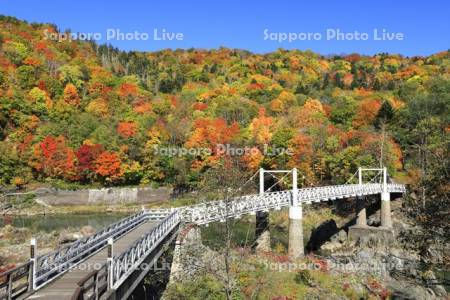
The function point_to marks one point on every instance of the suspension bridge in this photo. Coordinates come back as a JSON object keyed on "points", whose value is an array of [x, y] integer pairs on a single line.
{"points": [[111, 263]]}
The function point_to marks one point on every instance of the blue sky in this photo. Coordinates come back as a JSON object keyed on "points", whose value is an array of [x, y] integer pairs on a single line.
{"points": [[241, 24]]}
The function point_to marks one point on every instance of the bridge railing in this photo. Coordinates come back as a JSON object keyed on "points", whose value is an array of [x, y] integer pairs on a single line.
{"points": [[16, 282], [126, 262], [94, 285], [325, 193], [220, 210], [156, 214], [53, 264]]}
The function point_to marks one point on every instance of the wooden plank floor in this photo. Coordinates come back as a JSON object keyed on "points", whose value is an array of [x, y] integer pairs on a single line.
{"points": [[64, 286]]}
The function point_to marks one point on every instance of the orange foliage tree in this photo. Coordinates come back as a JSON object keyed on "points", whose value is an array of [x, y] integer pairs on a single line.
{"points": [[302, 151], [367, 111], [71, 95], [127, 89], [211, 132], [282, 102], [109, 166], [311, 114], [262, 127], [127, 129], [253, 159]]}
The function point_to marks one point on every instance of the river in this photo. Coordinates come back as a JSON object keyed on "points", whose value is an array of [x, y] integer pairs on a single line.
{"points": [[57, 222]]}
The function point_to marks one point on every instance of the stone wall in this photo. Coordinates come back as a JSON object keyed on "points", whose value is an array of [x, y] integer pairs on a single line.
{"points": [[103, 196]]}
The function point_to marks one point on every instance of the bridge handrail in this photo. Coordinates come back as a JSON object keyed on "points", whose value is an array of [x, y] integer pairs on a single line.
{"points": [[219, 210], [198, 213], [52, 264], [125, 262], [8, 287], [93, 285], [158, 213]]}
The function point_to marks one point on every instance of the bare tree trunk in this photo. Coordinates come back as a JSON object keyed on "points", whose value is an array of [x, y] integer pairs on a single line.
{"points": [[230, 177], [228, 290]]}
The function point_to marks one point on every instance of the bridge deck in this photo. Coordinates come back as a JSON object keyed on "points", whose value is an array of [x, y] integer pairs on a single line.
{"points": [[64, 286]]}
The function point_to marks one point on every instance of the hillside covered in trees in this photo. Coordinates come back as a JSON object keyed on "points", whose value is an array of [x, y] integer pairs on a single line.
{"points": [[77, 112]]}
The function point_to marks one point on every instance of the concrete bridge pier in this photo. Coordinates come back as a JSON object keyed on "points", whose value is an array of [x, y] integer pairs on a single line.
{"points": [[262, 232], [296, 247], [386, 220], [385, 210], [361, 218]]}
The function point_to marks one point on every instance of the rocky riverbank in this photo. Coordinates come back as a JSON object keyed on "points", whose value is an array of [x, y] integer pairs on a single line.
{"points": [[375, 265], [15, 242], [407, 271]]}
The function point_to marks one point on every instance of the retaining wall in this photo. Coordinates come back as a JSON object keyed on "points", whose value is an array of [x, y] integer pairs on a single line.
{"points": [[103, 196]]}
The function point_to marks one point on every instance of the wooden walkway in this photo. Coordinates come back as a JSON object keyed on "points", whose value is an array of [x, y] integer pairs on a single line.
{"points": [[64, 286]]}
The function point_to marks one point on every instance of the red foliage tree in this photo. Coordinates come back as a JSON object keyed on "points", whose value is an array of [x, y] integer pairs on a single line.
{"points": [[54, 159], [86, 155]]}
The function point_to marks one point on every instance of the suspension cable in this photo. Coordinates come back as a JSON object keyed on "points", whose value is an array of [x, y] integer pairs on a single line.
{"points": [[271, 174], [277, 181], [250, 179], [375, 177], [351, 177]]}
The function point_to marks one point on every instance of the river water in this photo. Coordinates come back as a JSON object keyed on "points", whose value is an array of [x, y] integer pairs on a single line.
{"points": [[56, 222]]}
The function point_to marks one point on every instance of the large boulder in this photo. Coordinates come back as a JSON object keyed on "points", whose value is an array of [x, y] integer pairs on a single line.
{"points": [[69, 237], [87, 230]]}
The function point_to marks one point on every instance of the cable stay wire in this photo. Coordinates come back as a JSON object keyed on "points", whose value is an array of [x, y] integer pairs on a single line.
{"points": [[375, 177], [250, 179], [269, 189], [351, 177]]}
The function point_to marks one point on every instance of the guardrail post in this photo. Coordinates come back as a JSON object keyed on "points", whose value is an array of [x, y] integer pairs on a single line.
{"points": [[296, 248], [110, 263], [9, 288], [96, 286], [33, 267]]}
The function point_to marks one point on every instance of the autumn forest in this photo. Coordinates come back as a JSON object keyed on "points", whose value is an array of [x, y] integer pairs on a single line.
{"points": [[79, 113]]}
